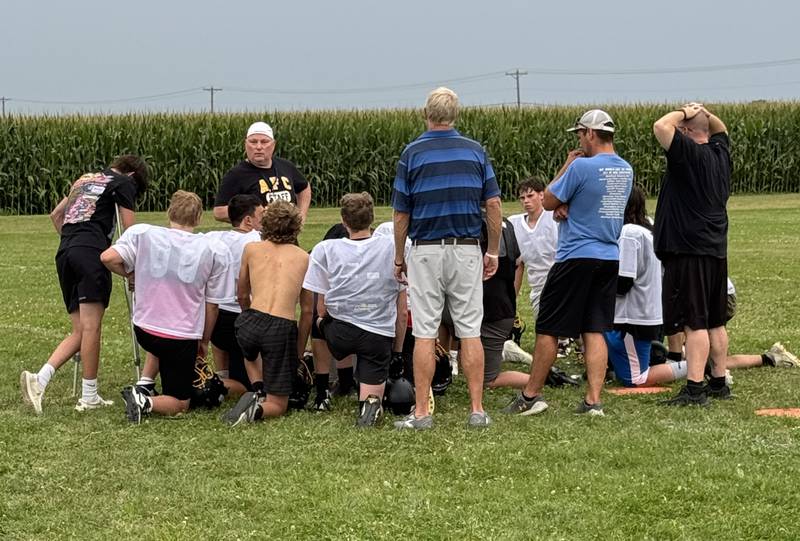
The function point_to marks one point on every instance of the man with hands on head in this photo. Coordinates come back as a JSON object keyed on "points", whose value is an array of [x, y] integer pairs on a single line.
{"points": [[588, 197], [690, 239]]}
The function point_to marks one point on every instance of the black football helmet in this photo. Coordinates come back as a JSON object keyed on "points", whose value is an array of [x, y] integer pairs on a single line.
{"points": [[302, 383], [658, 353], [208, 391], [442, 375], [399, 396]]}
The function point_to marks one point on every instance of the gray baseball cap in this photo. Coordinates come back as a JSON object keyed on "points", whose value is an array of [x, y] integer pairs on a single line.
{"points": [[595, 119]]}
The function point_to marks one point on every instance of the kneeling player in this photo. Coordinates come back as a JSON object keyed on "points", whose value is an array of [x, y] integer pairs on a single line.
{"points": [[244, 212], [359, 300], [270, 284], [181, 277]]}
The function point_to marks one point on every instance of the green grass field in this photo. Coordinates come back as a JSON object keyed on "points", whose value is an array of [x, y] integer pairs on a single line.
{"points": [[642, 472]]}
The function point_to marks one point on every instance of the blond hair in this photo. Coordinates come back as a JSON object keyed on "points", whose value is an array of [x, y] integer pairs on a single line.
{"points": [[441, 106], [185, 208]]}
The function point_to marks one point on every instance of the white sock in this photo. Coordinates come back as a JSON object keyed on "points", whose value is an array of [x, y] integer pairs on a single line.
{"points": [[89, 387], [144, 380], [679, 369], [45, 373]]}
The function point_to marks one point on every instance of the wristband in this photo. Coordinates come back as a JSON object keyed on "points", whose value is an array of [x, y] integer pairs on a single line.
{"points": [[491, 256], [398, 264]]}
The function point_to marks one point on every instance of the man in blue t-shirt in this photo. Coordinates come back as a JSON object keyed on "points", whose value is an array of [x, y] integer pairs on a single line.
{"points": [[442, 180], [588, 197]]}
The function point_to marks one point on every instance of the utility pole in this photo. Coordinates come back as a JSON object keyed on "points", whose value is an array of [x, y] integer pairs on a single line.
{"points": [[3, 100], [211, 90], [516, 75]]}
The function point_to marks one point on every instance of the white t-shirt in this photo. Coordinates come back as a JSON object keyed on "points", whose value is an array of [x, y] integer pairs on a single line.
{"points": [[637, 260], [176, 274], [537, 245], [357, 279], [235, 241]]}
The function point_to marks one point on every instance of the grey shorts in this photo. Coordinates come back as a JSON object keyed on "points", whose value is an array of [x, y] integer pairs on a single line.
{"points": [[493, 336], [452, 273]]}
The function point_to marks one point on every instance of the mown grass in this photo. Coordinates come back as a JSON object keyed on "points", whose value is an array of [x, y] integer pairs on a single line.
{"points": [[642, 472]]}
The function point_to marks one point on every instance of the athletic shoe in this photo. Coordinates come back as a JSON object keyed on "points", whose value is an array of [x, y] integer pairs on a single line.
{"points": [[136, 404], [723, 393], [148, 389], [512, 353], [93, 404], [782, 358], [594, 410], [479, 419], [244, 410], [683, 398], [32, 393], [523, 406], [323, 403], [410, 421], [371, 412]]}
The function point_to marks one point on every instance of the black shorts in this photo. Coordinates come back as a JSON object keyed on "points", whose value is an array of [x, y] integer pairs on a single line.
{"points": [[176, 360], [224, 338], [578, 297], [374, 351], [275, 339], [83, 278], [493, 336], [694, 292]]}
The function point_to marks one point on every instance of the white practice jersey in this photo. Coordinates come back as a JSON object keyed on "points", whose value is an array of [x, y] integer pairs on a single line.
{"points": [[637, 260], [176, 274], [357, 279], [235, 241], [537, 246]]}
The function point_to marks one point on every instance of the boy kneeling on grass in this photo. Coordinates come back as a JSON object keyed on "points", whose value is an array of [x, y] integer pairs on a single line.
{"points": [[270, 285], [181, 278]]}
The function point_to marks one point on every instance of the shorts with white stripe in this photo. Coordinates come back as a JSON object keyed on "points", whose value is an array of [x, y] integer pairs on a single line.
{"points": [[630, 358]]}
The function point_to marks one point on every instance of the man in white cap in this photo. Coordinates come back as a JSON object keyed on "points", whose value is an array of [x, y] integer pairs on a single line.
{"points": [[588, 197], [264, 175]]}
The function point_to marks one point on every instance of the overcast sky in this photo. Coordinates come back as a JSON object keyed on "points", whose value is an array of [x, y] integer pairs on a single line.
{"points": [[370, 54]]}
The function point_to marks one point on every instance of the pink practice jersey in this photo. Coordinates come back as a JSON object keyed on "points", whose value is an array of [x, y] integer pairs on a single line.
{"points": [[177, 273]]}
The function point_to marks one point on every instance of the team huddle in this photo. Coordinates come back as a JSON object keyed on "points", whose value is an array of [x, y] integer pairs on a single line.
{"points": [[382, 306]]}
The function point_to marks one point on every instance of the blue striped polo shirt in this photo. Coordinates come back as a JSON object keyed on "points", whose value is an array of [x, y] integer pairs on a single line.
{"points": [[442, 178]]}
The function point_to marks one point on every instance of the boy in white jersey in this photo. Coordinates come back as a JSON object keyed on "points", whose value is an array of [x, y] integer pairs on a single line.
{"points": [[269, 288], [244, 213], [359, 300], [181, 277], [537, 237]]}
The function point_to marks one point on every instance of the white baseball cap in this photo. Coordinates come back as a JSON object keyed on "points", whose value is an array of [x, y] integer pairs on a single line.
{"points": [[261, 128], [595, 119]]}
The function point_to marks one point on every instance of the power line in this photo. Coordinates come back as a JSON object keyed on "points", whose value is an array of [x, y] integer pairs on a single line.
{"points": [[660, 71], [175, 93]]}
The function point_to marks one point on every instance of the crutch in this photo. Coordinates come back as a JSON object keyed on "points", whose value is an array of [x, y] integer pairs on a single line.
{"points": [[129, 300], [75, 371]]}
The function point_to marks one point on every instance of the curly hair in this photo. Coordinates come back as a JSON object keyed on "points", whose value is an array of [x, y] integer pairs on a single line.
{"points": [[281, 223]]}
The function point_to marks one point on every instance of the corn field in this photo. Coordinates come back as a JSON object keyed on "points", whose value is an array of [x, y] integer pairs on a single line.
{"points": [[347, 151]]}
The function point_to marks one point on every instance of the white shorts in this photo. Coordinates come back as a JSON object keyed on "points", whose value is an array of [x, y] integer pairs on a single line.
{"points": [[440, 272], [536, 292]]}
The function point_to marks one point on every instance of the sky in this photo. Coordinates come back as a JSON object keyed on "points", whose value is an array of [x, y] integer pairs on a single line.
{"points": [[93, 56]]}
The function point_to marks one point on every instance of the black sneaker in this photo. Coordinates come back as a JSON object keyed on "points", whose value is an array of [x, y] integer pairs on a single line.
{"points": [[683, 398], [148, 389], [323, 402], [137, 404], [723, 393], [371, 412]]}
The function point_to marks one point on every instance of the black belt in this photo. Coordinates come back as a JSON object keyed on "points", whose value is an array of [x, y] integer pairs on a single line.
{"points": [[447, 241]]}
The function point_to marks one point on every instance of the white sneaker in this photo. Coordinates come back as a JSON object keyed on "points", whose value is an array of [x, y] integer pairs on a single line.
{"points": [[515, 354], [782, 358], [95, 403], [32, 393]]}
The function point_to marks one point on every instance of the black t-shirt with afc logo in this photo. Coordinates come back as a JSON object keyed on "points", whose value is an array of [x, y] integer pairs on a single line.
{"points": [[282, 181]]}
